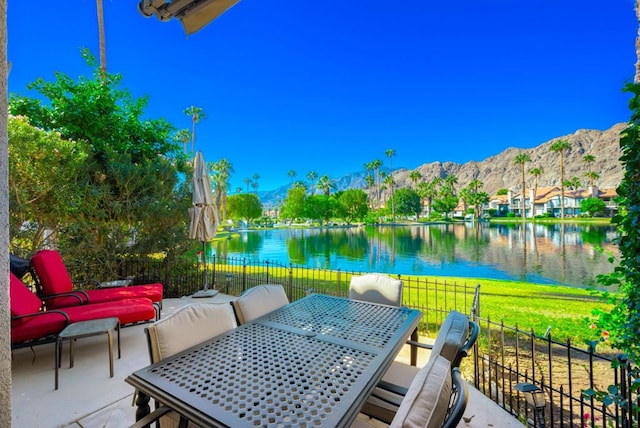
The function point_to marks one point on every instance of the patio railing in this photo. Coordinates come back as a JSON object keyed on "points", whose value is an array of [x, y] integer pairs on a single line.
{"points": [[503, 357]]}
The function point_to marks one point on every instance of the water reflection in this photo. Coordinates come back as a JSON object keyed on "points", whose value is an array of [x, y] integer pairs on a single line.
{"points": [[558, 253]]}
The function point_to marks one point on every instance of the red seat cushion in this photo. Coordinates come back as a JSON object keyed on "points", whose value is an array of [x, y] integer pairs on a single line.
{"points": [[40, 325], [127, 311]]}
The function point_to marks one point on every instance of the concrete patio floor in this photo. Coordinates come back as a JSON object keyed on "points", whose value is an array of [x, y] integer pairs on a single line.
{"points": [[88, 398]]}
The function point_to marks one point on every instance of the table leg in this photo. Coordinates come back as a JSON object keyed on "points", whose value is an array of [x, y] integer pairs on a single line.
{"points": [[57, 357], [118, 330], [71, 352], [414, 349], [110, 336], [143, 405]]}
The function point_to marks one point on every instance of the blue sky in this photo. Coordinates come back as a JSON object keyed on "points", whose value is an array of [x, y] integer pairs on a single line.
{"points": [[329, 87]]}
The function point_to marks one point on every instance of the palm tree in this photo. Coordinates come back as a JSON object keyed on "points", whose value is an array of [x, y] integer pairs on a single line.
{"points": [[536, 172], [312, 175], [390, 153], [592, 176], [223, 170], [292, 174], [376, 164], [183, 136], [521, 160], [428, 191], [326, 184], [102, 43], [451, 180], [589, 159], [415, 176], [561, 146], [247, 181], [254, 184], [197, 115], [369, 179]]}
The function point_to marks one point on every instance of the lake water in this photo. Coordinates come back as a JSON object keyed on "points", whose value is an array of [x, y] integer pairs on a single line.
{"points": [[553, 254]]}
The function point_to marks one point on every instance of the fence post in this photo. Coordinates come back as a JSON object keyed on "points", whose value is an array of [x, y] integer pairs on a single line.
{"points": [[244, 274]]}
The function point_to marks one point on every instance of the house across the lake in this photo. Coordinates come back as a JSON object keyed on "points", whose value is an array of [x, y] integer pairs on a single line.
{"points": [[546, 200]]}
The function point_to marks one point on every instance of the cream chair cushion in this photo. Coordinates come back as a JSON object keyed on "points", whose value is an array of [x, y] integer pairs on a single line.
{"points": [[187, 327], [427, 400], [452, 336], [258, 301], [376, 288]]}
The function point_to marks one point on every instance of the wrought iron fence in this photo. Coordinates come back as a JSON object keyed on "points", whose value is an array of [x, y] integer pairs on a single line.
{"points": [[503, 357]]}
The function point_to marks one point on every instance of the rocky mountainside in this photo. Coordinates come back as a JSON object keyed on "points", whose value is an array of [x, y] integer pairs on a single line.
{"points": [[499, 171]]}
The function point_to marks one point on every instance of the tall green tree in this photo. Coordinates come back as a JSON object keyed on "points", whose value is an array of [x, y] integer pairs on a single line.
{"points": [[589, 159], [244, 206], [408, 202], [222, 170], [352, 205], [312, 175], [561, 147], [326, 184], [46, 183], [521, 159], [292, 175], [415, 176], [196, 114], [446, 200], [390, 153], [293, 206], [131, 168], [376, 164], [536, 172]]}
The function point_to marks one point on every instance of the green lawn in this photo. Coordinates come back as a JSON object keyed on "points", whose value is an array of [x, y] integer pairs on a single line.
{"points": [[566, 310]]}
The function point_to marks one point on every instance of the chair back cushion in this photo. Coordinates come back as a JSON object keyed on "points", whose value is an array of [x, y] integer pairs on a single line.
{"points": [[258, 301], [22, 300], [427, 400], [452, 336], [51, 272], [187, 327], [376, 288]]}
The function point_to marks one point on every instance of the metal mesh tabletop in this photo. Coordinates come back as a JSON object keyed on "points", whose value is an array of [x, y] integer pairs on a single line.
{"points": [[358, 322], [291, 368]]}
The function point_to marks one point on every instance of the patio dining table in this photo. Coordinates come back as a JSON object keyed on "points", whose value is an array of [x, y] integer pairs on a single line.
{"points": [[313, 362]]}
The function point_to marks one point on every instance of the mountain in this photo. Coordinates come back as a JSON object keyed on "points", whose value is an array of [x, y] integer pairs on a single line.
{"points": [[499, 171]]}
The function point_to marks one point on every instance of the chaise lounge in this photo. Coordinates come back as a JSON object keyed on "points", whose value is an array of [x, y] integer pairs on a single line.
{"points": [[30, 325], [55, 287]]}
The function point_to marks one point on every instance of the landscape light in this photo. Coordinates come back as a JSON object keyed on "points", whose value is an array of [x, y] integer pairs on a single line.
{"points": [[535, 398], [193, 14]]}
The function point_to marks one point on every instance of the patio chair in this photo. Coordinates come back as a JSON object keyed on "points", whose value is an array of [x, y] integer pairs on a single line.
{"points": [[376, 288], [55, 287], [258, 301], [437, 397], [456, 337], [181, 330], [30, 325]]}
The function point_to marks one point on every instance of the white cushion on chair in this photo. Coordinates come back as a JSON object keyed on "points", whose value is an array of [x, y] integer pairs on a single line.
{"points": [[453, 334], [258, 301], [427, 400], [189, 326], [376, 288]]}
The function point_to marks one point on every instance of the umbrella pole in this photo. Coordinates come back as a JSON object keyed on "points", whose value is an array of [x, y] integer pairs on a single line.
{"points": [[205, 292], [204, 258]]}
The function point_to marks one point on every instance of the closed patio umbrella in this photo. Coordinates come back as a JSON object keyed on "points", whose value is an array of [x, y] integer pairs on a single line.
{"points": [[204, 216]]}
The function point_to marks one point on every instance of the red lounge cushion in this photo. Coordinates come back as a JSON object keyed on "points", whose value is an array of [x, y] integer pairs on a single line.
{"points": [[152, 292], [51, 272], [127, 311], [42, 325], [22, 300]]}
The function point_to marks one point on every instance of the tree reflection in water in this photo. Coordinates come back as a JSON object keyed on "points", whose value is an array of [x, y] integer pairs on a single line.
{"points": [[556, 253]]}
